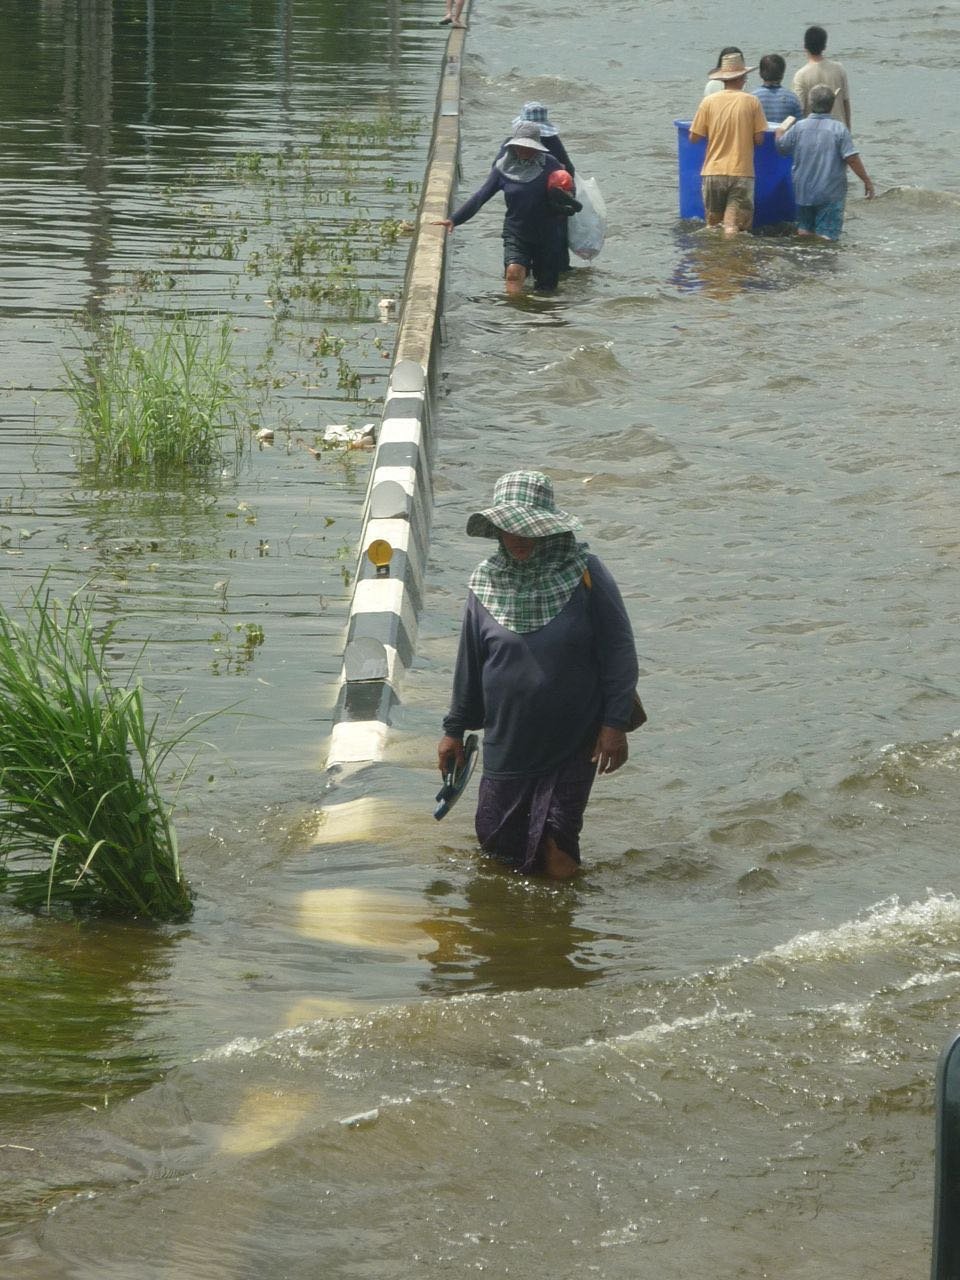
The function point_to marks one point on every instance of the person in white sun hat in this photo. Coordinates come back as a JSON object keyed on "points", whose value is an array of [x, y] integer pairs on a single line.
{"points": [[537, 113], [532, 241]]}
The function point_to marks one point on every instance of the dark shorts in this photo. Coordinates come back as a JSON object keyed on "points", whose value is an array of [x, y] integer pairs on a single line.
{"points": [[543, 258]]}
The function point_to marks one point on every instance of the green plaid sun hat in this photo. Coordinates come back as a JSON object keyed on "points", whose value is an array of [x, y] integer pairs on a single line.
{"points": [[525, 595], [523, 503]]}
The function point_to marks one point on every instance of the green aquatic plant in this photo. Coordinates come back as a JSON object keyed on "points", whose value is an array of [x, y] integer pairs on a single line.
{"points": [[382, 129], [83, 824], [337, 291], [391, 229], [213, 242], [169, 401], [248, 164], [151, 280], [348, 378], [235, 653], [327, 344]]}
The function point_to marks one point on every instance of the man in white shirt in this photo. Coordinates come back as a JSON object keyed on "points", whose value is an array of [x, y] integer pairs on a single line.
{"points": [[820, 70]]}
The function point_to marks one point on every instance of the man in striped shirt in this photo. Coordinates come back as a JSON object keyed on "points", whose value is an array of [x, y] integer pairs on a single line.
{"points": [[778, 103]]}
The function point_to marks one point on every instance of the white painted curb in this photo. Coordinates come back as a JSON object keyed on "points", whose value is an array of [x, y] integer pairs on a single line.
{"points": [[384, 612]]}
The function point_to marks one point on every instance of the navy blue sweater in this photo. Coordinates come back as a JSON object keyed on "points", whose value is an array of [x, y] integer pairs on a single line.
{"points": [[538, 695], [528, 215]]}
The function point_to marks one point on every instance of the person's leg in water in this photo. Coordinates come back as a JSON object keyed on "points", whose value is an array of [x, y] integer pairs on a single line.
{"points": [[714, 201], [806, 219], [738, 214], [554, 862], [515, 277], [517, 260], [731, 219], [829, 220], [546, 274], [558, 853], [736, 220], [547, 260], [534, 824]]}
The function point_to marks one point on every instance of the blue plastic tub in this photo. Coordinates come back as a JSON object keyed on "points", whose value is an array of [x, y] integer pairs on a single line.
{"points": [[773, 200]]}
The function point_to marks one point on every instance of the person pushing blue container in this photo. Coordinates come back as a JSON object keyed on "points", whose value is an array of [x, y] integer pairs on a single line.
{"points": [[773, 200], [730, 170]]}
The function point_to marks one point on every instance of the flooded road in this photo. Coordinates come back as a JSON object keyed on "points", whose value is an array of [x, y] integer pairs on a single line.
{"points": [[370, 1053], [155, 164]]}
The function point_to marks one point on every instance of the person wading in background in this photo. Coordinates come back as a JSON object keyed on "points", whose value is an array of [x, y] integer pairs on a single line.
{"points": [[733, 123], [713, 85], [778, 103], [822, 151], [536, 113], [820, 70], [531, 226], [452, 16]]}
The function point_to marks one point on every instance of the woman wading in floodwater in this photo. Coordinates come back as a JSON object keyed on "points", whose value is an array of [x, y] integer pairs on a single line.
{"points": [[548, 669], [533, 223]]}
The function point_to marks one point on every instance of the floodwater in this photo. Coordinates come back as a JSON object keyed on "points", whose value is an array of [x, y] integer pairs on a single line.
{"points": [[370, 1054]]}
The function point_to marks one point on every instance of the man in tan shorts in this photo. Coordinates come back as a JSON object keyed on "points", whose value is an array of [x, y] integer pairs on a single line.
{"points": [[733, 124]]}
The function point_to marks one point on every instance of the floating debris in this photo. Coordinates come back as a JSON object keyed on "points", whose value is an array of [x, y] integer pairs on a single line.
{"points": [[385, 306], [265, 435], [362, 1119], [314, 453], [364, 437]]}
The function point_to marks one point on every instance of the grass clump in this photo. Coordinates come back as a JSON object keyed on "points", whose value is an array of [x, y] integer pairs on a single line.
{"points": [[168, 402], [82, 820]]}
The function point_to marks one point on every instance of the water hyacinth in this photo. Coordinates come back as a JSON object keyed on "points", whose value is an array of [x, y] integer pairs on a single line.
{"points": [[168, 401], [82, 820]]}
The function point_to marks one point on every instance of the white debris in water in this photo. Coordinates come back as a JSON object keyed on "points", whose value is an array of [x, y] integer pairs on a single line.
{"points": [[361, 1119], [352, 437]]}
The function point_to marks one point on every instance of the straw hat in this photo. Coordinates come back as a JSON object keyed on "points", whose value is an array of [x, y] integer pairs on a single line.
{"points": [[731, 67]]}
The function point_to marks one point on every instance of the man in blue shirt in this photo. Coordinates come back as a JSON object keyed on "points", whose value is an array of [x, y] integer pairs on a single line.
{"points": [[777, 102], [822, 151]]}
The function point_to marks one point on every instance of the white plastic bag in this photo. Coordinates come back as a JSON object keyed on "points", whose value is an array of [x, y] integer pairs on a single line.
{"points": [[586, 229]]}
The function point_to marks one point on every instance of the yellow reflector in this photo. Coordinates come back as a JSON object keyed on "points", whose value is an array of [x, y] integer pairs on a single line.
{"points": [[380, 552]]}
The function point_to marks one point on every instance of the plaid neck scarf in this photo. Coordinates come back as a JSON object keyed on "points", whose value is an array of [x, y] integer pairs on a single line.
{"points": [[524, 595]]}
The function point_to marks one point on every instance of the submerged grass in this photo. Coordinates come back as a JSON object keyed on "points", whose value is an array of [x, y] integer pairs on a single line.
{"points": [[168, 402], [82, 820]]}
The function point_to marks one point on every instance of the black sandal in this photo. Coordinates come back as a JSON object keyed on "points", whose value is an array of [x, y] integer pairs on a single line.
{"points": [[445, 22]]}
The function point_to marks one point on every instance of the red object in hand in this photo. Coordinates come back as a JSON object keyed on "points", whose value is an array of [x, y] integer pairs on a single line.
{"points": [[559, 178]]}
